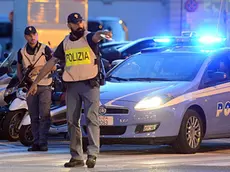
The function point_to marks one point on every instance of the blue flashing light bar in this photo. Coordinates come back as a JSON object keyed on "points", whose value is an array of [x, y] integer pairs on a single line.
{"points": [[211, 39], [201, 40]]}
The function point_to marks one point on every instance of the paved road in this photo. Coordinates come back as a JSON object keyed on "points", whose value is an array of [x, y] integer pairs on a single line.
{"points": [[213, 156]]}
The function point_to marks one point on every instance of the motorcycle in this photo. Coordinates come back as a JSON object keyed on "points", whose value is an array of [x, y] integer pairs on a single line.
{"points": [[16, 109], [7, 89], [13, 117], [17, 113], [7, 73], [8, 94]]}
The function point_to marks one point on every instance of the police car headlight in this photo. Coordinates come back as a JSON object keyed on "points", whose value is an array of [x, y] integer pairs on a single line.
{"points": [[9, 91], [150, 103]]}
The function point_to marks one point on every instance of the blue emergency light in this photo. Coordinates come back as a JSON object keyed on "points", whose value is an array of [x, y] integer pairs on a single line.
{"points": [[191, 41], [211, 39], [202, 43]]}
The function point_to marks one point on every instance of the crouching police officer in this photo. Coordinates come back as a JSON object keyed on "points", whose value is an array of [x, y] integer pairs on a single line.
{"points": [[31, 58], [79, 51]]}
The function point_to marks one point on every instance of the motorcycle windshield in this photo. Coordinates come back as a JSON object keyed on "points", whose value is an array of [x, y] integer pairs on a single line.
{"points": [[9, 60]]}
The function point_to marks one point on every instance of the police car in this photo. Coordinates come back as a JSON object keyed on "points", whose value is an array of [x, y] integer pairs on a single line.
{"points": [[178, 96]]}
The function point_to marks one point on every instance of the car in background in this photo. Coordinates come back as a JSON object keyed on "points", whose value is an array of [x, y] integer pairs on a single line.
{"points": [[115, 53], [111, 44], [136, 46]]}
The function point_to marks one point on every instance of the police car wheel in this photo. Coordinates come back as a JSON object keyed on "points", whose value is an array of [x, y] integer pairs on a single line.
{"points": [[11, 124], [25, 135], [191, 133]]}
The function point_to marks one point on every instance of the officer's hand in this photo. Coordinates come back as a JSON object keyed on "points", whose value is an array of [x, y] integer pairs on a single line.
{"points": [[32, 90], [108, 34]]}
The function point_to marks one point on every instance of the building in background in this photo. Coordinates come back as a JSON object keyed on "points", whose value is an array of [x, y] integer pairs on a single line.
{"points": [[143, 18], [165, 17]]}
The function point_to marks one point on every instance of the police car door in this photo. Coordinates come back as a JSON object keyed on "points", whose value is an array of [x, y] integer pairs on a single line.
{"points": [[215, 87]]}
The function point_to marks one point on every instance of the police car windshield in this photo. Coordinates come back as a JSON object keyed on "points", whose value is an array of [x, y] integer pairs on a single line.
{"points": [[158, 67]]}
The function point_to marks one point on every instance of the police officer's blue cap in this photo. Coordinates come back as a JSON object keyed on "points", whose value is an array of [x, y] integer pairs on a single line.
{"points": [[30, 30], [74, 18]]}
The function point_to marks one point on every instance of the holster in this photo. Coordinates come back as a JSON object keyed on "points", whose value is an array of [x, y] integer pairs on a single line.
{"points": [[101, 79], [101, 71], [94, 82]]}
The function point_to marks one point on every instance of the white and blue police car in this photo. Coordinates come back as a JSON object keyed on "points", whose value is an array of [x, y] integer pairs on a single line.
{"points": [[179, 97]]}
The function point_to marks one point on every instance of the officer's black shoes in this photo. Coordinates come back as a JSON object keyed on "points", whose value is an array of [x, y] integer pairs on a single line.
{"points": [[74, 163], [34, 148], [43, 148], [91, 161]]}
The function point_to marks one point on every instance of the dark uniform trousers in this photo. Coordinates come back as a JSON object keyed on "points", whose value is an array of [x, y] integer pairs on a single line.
{"points": [[39, 110], [76, 93]]}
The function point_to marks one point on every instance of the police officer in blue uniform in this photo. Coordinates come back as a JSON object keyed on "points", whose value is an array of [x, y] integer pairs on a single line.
{"points": [[35, 55], [82, 77]]}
